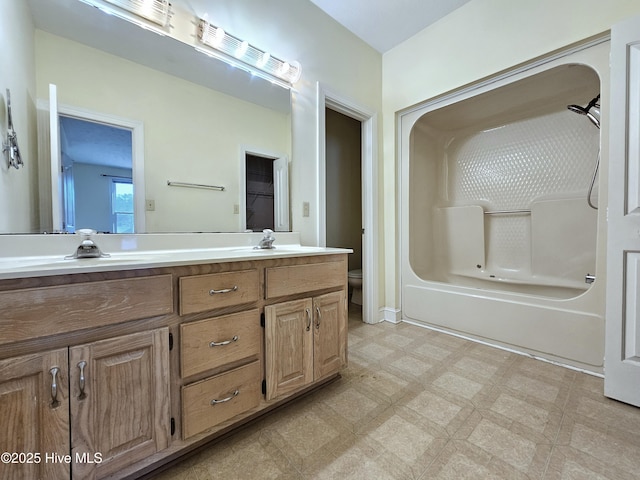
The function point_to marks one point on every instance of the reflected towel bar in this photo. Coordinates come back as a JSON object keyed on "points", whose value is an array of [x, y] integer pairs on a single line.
{"points": [[195, 185], [507, 212]]}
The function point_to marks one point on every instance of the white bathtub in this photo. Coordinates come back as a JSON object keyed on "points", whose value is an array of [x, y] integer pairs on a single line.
{"points": [[497, 237]]}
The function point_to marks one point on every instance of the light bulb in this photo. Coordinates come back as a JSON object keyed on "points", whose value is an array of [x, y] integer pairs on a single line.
{"points": [[242, 49], [284, 68], [263, 60], [218, 37]]}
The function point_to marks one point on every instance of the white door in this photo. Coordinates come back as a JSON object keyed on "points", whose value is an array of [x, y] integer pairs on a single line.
{"points": [[622, 345], [68, 197], [281, 194], [56, 164]]}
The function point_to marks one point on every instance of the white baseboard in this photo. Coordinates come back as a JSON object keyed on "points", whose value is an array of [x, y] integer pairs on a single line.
{"points": [[392, 315]]}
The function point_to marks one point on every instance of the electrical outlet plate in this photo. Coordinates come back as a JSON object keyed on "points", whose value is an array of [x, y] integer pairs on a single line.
{"points": [[305, 209]]}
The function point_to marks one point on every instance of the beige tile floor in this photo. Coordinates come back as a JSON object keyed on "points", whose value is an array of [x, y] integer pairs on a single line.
{"points": [[418, 404]]}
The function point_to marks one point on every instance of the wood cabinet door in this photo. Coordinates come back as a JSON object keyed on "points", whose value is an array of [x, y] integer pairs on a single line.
{"points": [[34, 408], [288, 346], [330, 334], [119, 402]]}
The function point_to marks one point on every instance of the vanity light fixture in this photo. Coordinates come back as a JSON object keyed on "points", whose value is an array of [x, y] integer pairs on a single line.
{"points": [[156, 11], [240, 53], [11, 147]]}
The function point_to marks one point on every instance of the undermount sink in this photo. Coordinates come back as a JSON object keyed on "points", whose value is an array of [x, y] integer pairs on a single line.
{"points": [[275, 249], [111, 259], [58, 264], [61, 262]]}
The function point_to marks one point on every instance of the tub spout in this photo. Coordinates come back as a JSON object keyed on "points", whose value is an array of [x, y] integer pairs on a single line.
{"points": [[588, 278]]}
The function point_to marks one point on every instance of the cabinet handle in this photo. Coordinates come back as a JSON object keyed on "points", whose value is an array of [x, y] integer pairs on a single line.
{"points": [[81, 366], [308, 310], [233, 395], [318, 317], [54, 387], [222, 344], [224, 290]]}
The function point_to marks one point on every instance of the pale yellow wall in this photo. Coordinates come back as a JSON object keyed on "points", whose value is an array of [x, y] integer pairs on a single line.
{"points": [[191, 133], [18, 188], [329, 54], [479, 39]]}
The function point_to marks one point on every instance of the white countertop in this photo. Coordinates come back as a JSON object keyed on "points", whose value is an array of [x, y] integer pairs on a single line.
{"points": [[130, 252]]}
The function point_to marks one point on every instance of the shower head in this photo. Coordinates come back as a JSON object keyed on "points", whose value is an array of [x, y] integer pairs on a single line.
{"points": [[593, 104]]}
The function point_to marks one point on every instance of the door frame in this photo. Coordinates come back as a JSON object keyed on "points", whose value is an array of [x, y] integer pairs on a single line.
{"points": [[137, 150], [368, 118]]}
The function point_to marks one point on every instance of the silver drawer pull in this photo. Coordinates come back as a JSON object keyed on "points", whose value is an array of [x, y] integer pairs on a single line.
{"points": [[233, 395], [224, 290], [308, 310], [54, 387], [222, 344], [81, 366]]}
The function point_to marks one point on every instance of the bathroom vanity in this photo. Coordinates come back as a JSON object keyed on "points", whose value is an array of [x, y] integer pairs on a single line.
{"points": [[111, 369]]}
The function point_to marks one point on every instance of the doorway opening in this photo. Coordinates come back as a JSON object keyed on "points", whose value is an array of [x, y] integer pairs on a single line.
{"points": [[97, 185], [343, 150], [259, 193], [367, 120], [264, 191]]}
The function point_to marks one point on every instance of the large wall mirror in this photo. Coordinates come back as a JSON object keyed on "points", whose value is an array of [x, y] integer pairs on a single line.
{"points": [[137, 109]]}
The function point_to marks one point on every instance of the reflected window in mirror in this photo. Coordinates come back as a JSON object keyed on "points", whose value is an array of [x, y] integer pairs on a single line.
{"points": [[122, 205]]}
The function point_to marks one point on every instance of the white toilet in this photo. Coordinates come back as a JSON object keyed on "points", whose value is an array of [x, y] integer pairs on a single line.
{"points": [[355, 284]]}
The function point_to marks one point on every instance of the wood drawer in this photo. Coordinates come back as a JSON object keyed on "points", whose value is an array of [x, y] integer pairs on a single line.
{"points": [[200, 293], [38, 312], [235, 337], [198, 411], [289, 280]]}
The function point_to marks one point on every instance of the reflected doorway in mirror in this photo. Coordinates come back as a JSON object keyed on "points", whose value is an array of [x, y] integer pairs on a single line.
{"points": [[72, 142], [264, 196], [97, 188]]}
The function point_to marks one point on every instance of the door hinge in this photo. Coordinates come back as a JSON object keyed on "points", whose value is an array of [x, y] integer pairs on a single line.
{"points": [[262, 320], [170, 341], [264, 387], [173, 426]]}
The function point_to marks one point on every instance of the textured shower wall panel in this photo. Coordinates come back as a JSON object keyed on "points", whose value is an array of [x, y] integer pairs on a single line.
{"points": [[564, 239], [508, 240], [462, 229], [511, 166]]}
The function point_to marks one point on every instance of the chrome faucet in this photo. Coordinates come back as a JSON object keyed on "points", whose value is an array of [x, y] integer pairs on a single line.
{"points": [[87, 248], [267, 240]]}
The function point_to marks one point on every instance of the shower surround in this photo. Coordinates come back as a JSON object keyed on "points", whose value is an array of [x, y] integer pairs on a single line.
{"points": [[498, 238]]}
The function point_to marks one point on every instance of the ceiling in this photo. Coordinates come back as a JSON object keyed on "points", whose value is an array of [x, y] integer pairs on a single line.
{"points": [[83, 141], [383, 24]]}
